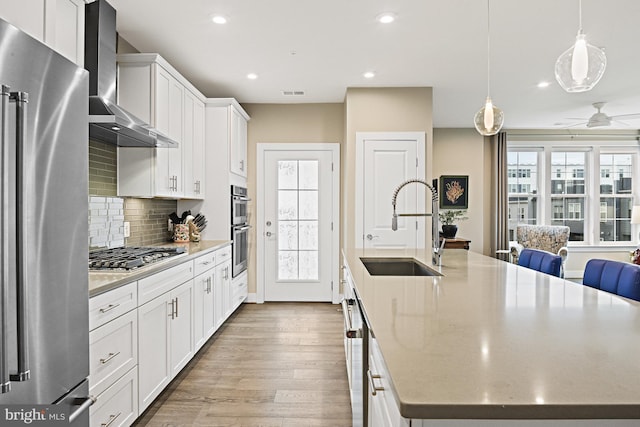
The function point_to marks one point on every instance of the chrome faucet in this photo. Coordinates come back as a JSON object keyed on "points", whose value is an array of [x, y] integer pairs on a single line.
{"points": [[436, 248]]}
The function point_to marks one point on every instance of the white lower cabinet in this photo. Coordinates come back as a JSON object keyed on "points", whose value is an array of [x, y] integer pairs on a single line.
{"points": [[203, 307], [118, 405], [383, 410], [223, 282], [144, 333], [239, 290], [165, 340], [113, 357]]}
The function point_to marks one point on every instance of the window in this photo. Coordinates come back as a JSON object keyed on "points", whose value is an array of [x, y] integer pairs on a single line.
{"points": [[588, 187], [615, 197], [568, 191], [522, 185], [298, 220]]}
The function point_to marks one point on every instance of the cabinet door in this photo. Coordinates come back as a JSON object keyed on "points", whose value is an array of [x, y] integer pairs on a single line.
{"points": [[238, 143], [193, 147], [169, 105], [154, 371], [187, 145], [198, 160], [203, 323], [218, 306], [58, 23], [68, 31], [223, 291], [181, 327]]}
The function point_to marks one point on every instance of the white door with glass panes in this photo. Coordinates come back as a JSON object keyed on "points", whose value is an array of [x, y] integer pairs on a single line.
{"points": [[298, 211]]}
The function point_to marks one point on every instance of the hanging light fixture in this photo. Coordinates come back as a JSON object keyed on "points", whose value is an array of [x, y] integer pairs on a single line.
{"points": [[581, 66], [489, 119]]}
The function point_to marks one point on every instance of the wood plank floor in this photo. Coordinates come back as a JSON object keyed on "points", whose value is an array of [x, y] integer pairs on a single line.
{"points": [[272, 364]]}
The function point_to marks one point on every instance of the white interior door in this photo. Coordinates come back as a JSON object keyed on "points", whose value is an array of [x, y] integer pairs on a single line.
{"points": [[297, 230], [385, 162]]}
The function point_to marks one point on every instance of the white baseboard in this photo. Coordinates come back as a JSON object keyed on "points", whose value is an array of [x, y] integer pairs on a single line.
{"points": [[251, 298]]}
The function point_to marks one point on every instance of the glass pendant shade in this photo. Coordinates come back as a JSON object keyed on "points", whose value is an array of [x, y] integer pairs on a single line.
{"points": [[581, 66], [489, 119]]}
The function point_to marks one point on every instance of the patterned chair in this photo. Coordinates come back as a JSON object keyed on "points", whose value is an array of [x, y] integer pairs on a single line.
{"points": [[550, 238]]}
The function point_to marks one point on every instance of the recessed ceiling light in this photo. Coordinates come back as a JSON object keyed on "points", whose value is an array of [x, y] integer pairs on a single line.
{"points": [[543, 84], [386, 18], [219, 19], [369, 75], [252, 76]]}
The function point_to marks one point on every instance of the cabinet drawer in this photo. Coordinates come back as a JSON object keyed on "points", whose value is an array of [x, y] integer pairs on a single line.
{"points": [[204, 263], [113, 350], [156, 285], [239, 288], [118, 405], [106, 307], [223, 254]]}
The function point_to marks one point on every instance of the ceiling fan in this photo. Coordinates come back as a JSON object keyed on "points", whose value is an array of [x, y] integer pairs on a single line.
{"points": [[600, 119]]}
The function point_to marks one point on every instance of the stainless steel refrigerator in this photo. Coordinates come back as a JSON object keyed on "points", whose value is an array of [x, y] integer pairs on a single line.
{"points": [[44, 326]]}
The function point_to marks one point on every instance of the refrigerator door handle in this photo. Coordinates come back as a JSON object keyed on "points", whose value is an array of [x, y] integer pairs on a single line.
{"points": [[83, 406], [23, 153], [5, 383]]}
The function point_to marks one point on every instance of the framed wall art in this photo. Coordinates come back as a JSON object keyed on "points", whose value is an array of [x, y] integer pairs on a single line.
{"points": [[454, 191]]}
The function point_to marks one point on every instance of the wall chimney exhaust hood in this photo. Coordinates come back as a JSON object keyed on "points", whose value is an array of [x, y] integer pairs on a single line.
{"points": [[109, 122]]}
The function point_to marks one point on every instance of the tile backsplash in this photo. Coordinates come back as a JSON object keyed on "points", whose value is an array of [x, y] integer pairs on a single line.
{"points": [[147, 217], [106, 222]]}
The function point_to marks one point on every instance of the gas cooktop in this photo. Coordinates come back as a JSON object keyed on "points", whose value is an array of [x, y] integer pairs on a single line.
{"points": [[130, 258]]}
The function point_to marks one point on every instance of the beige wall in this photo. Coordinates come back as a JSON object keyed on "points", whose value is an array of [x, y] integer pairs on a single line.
{"points": [[464, 152], [381, 110], [278, 123]]}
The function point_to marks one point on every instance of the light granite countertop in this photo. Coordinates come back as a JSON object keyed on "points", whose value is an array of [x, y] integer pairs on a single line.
{"points": [[100, 282], [492, 340]]}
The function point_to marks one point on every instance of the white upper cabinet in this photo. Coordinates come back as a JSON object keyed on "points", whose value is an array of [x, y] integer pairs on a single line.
{"points": [[57, 23], [193, 147], [154, 91], [238, 142]]}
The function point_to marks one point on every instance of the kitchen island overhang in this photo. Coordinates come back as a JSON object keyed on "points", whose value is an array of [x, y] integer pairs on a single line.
{"points": [[491, 340]]}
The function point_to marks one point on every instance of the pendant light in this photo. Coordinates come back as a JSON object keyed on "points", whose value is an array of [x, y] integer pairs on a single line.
{"points": [[489, 119], [581, 66]]}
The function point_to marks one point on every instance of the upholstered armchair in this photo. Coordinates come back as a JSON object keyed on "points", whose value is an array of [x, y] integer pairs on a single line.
{"points": [[550, 238]]}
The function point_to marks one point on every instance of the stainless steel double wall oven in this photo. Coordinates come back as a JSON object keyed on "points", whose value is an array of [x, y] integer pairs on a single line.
{"points": [[239, 228]]}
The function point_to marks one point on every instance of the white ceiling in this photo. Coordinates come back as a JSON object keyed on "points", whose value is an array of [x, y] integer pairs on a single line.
{"points": [[323, 47]]}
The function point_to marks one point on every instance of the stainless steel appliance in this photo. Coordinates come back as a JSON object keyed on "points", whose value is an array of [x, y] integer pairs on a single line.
{"points": [[109, 122], [239, 229], [356, 333], [131, 258], [44, 322], [239, 205]]}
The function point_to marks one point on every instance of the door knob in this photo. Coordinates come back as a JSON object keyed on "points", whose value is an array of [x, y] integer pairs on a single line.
{"points": [[268, 223], [268, 234], [371, 237]]}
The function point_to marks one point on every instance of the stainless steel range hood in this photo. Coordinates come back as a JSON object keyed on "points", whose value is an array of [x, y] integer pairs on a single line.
{"points": [[109, 122]]}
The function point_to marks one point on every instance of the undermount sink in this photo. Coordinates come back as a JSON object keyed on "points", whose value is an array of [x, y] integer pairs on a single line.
{"points": [[397, 267]]}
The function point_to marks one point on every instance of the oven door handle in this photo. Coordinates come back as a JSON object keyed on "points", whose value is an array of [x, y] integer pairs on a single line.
{"points": [[242, 228], [242, 198]]}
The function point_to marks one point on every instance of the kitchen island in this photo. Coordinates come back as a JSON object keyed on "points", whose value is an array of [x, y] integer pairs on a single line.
{"points": [[490, 342]]}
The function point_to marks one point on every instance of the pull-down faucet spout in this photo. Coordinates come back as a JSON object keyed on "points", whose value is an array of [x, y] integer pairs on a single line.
{"points": [[436, 248]]}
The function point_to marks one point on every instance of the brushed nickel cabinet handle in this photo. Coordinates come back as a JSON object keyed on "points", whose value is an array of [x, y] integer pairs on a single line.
{"points": [[109, 358], [109, 308], [112, 418], [371, 377]]}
